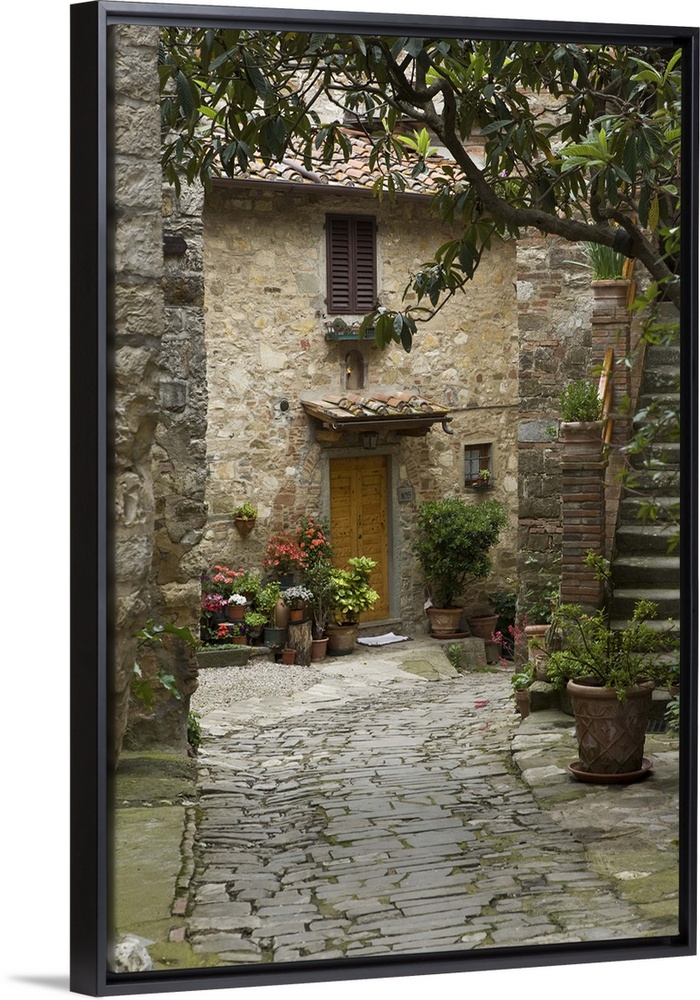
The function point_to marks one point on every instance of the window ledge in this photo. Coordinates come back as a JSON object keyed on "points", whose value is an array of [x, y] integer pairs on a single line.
{"points": [[338, 335]]}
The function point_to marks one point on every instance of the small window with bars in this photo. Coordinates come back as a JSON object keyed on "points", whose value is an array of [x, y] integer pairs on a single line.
{"points": [[478, 466], [351, 264]]}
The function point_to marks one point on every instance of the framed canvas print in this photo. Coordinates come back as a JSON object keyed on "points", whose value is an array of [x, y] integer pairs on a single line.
{"points": [[384, 475]]}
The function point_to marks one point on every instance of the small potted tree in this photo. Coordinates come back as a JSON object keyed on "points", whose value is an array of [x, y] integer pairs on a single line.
{"points": [[350, 595], [317, 577], [453, 542], [609, 675]]}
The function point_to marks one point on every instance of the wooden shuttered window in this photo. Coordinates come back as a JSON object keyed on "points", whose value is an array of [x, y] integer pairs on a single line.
{"points": [[352, 263]]}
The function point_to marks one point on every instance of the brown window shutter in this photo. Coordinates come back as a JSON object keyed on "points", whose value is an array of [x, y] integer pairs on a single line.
{"points": [[351, 264], [365, 266]]}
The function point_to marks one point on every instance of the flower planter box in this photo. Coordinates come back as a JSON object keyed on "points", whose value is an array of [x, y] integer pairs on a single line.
{"points": [[223, 656]]}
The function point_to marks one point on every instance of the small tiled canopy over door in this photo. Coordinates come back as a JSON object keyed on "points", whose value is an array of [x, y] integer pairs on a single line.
{"points": [[359, 520], [352, 282]]}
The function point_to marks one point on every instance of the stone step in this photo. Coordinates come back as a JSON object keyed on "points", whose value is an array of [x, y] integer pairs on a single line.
{"points": [[660, 400], [625, 599], [645, 539], [663, 354], [634, 569], [664, 482], [658, 456], [659, 378], [666, 509]]}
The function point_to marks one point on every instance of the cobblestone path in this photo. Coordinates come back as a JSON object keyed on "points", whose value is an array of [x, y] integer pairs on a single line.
{"points": [[391, 822]]}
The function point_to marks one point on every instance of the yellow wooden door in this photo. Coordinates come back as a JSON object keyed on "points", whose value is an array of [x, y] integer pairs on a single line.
{"points": [[359, 520]]}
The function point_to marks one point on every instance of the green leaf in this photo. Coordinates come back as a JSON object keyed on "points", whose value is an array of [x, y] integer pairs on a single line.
{"points": [[653, 218], [187, 94], [262, 87], [414, 46], [274, 135]]}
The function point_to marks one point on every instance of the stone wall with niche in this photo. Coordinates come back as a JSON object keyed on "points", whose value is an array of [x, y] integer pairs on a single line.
{"points": [[265, 324]]}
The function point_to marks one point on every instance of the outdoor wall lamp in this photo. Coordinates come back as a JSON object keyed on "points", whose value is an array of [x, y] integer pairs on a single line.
{"points": [[369, 440]]}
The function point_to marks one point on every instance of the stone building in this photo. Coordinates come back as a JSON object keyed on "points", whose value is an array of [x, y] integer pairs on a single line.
{"points": [[287, 370]]}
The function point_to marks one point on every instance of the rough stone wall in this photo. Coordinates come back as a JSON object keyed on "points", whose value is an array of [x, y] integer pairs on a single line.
{"points": [[265, 314], [138, 324], [160, 405], [179, 472]]}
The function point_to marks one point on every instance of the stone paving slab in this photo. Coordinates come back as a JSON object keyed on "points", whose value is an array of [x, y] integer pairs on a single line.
{"points": [[399, 813]]}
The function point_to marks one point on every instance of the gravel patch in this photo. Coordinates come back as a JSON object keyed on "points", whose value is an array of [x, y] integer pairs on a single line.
{"points": [[221, 687]]}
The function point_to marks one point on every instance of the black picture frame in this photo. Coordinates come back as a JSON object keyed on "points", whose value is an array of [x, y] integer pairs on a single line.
{"points": [[91, 552]]}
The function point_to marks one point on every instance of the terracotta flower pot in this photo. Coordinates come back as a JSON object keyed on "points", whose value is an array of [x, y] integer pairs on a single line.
{"points": [[522, 701], [296, 614], [318, 648], [341, 639], [482, 626], [610, 732], [289, 656], [493, 651], [239, 640], [236, 612], [583, 440], [244, 524], [609, 296], [444, 622]]}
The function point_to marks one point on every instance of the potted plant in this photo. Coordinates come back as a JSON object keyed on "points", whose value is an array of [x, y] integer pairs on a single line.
{"points": [[214, 609], [521, 682], [609, 675], [296, 598], [482, 479], [284, 557], [255, 622], [312, 538], [581, 426], [267, 604], [537, 602], [244, 515], [249, 584], [234, 632], [453, 542], [609, 281], [504, 604], [236, 607], [350, 595], [317, 577], [221, 580]]}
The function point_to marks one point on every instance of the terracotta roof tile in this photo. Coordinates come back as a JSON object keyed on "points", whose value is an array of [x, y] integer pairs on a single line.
{"points": [[353, 173], [379, 406]]}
